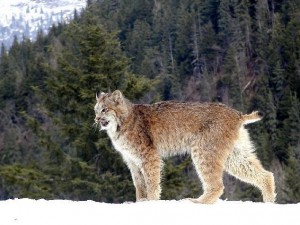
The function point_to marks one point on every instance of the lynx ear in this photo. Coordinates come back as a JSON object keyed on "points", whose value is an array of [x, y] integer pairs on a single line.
{"points": [[99, 96], [117, 97]]}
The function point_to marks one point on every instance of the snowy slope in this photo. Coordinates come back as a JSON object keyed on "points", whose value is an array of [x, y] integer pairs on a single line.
{"points": [[25, 17], [56, 212]]}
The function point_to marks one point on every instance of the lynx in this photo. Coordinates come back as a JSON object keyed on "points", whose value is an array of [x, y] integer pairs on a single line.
{"points": [[212, 133]]}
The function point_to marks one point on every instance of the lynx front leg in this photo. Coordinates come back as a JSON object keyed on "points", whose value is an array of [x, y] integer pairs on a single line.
{"points": [[138, 181], [151, 171]]}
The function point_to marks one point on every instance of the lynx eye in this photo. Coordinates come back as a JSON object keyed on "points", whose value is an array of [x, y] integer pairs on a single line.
{"points": [[104, 110]]}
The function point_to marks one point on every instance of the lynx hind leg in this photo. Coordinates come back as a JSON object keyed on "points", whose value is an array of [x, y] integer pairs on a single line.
{"points": [[243, 164], [210, 171]]}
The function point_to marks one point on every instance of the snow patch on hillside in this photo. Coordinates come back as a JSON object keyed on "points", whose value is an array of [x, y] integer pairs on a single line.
{"points": [[26, 17], [37, 212]]}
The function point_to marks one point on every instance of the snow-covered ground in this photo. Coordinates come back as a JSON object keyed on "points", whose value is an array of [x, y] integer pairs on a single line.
{"points": [[56, 212]]}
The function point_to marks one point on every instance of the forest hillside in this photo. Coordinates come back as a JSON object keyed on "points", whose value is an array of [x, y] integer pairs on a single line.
{"points": [[243, 53]]}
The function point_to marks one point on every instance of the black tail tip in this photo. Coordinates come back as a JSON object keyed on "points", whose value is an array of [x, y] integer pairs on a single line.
{"points": [[260, 114]]}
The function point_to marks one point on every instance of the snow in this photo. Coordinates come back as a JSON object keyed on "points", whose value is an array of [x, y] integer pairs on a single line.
{"points": [[30, 9], [37, 212], [27, 17]]}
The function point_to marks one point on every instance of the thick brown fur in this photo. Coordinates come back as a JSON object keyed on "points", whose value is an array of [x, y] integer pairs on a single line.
{"points": [[212, 133]]}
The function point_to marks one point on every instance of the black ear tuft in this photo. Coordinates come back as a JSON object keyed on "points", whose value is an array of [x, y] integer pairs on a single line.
{"points": [[99, 95]]}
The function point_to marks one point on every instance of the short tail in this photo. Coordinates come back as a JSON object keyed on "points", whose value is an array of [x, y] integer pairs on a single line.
{"points": [[252, 117]]}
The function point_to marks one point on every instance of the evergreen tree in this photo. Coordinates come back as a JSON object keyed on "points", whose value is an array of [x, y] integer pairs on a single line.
{"points": [[225, 23], [292, 125], [90, 61]]}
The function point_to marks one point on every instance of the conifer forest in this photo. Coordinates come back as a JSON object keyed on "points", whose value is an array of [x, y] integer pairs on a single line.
{"points": [[243, 53]]}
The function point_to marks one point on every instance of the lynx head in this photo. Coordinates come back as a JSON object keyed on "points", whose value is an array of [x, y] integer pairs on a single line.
{"points": [[110, 109]]}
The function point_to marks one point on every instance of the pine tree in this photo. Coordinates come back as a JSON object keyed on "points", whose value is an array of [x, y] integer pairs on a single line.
{"points": [[225, 23], [90, 61], [277, 82], [292, 178], [292, 125], [232, 79], [291, 49]]}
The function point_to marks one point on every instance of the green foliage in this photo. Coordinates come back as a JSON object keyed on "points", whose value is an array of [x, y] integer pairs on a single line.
{"points": [[177, 174], [76, 180], [292, 177], [24, 182]]}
